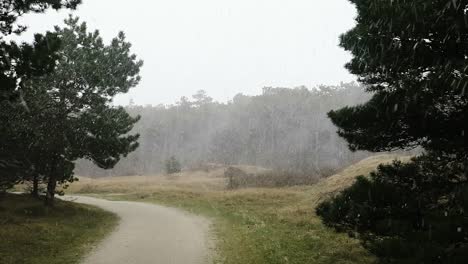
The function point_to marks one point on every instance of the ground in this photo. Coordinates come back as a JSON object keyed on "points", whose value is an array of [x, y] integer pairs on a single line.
{"points": [[255, 225], [149, 233], [33, 234]]}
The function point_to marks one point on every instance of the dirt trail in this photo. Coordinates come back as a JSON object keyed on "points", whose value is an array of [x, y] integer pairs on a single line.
{"points": [[150, 234]]}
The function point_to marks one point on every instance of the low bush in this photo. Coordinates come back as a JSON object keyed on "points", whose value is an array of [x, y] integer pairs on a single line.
{"points": [[413, 212], [237, 178]]}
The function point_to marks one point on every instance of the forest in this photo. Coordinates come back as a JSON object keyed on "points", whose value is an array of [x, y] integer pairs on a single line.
{"points": [[281, 129]]}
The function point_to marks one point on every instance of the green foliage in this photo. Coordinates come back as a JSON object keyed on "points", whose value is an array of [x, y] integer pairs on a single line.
{"points": [[19, 62], [8, 174], [76, 100], [407, 212], [412, 55], [173, 165], [11, 10], [69, 112]]}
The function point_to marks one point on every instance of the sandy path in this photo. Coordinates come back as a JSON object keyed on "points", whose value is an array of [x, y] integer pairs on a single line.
{"points": [[150, 234]]}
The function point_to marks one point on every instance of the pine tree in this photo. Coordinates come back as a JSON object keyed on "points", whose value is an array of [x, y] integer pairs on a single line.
{"points": [[19, 62], [411, 55], [70, 113]]}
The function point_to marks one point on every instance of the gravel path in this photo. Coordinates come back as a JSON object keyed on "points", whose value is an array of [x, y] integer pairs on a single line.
{"points": [[150, 234]]}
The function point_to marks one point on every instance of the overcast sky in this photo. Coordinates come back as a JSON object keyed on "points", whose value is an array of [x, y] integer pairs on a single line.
{"points": [[222, 46]]}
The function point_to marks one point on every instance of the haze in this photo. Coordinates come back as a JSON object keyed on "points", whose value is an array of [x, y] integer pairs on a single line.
{"points": [[222, 47]]}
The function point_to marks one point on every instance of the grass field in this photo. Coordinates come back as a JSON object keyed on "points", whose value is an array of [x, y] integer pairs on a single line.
{"points": [[275, 225], [33, 234]]}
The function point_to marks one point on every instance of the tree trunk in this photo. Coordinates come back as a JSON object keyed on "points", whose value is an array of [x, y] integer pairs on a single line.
{"points": [[35, 190], [51, 185]]}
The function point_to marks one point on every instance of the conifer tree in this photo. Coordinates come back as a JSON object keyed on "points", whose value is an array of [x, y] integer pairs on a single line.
{"points": [[19, 62], [71, 115], [411, 55]]}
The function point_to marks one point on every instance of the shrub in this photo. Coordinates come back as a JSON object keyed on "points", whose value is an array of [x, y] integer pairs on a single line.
{"points": [[407, 212], [237, 178], [9, 175], [173, 166]]}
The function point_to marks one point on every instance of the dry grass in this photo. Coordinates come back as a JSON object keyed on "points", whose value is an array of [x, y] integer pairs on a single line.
{"points": [[198, 180], [340, 181], [239, 179], [254, 225]]}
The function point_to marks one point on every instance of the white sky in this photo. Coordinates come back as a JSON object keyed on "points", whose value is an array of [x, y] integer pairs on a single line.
{"points": [[222, 46]]}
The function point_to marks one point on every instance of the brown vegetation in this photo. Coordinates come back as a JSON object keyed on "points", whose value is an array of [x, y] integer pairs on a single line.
{"points": [[282, 220]]}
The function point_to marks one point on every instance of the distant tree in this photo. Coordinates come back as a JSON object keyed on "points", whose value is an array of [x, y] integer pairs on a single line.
{"points": [[412, 57], [173, 165], [201, 98], [184, 102], [71, 114], [284, 129], [226, 147]]}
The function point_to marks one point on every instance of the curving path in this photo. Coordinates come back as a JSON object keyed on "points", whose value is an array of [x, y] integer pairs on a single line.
{"points": [[150, 234]]}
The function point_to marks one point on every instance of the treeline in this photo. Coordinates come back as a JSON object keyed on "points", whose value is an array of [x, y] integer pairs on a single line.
{"points": [[283, 129], [56, 100]]}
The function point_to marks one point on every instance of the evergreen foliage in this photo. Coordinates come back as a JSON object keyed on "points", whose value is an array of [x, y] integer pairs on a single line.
{"points": [[69, 114], [173, 166], [19, 62], [411, 55], [407, 213]]}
